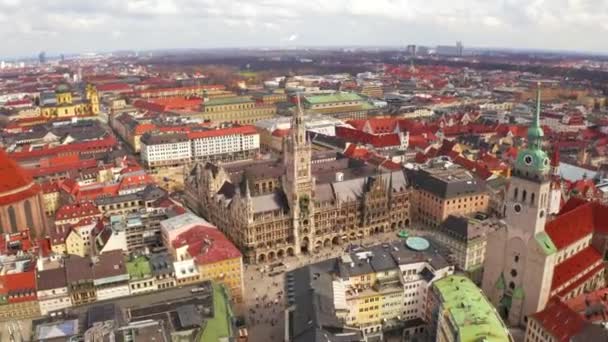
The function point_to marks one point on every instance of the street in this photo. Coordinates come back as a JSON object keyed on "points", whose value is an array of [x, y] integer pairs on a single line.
{"points": [[264, 304]]}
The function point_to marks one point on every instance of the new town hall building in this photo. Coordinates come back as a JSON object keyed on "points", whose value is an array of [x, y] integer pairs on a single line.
{"points": [[532, 258], [299, 204]]}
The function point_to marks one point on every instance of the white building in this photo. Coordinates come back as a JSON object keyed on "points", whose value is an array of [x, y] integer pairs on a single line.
{"points": [[233, 143], [165, 149], [186, 272], [111, 278], [313, 122], [52, 290], [174, 226]]}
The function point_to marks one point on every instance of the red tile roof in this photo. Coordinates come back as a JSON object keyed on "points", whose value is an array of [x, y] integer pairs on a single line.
{"points": [[61, 167], [89, 146], [20, 287], [580, 303], [113, 87], [207, 245], [79, 210], [281, 132], [166, 104], [571, 225], [15, 183], [361, 137], [375, 126], [573, 203], [580, 281], [575, 265], [559, 320], [13, 176]]}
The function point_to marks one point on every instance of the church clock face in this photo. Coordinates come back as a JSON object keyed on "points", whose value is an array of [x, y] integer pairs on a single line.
{"points": [[528, 159]]}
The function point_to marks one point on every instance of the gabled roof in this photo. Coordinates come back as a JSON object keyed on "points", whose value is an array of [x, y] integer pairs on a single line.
{"points": [[15, 183], [207, 245], [559, 320], [77, 210], [571, 225], [575, 265]]}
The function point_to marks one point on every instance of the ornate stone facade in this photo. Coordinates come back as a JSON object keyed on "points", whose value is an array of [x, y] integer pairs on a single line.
{"points": [[272, 209]]}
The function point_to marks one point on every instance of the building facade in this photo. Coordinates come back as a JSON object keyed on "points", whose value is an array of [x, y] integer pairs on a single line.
{"points": [[442, 189], [377, 289], [21, 200], [272, 209], [460, 312], [66, 106], [236, 109], [466, 238], [223, 144], [52, 290]]}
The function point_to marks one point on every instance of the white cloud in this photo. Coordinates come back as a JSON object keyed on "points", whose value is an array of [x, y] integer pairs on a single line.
{"points": [[293, 37], [84, 25]]}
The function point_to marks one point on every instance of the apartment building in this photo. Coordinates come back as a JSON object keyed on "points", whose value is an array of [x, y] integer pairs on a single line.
{"points": [[460, 312], [365, 293], [442, 189], [222, 144], [236, 109], [466, 238]]}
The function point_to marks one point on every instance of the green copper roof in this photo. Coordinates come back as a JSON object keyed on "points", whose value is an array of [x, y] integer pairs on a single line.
{"points": [[335, 97], [500, 282], [219, 327], [536, 133], [228, 100], [139, 268], [533, 160], [518, 293], [545, 243], [471, 314]]}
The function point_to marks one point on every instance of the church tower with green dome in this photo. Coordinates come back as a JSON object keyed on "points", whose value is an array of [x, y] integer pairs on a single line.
{"points": [[515, 269], [533, 162], [527, 199]]}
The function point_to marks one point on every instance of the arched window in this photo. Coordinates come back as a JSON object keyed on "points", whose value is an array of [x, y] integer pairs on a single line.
{"points": [[12, 218], [515, 193], [532, 198], [29, 220], [524, 195]]}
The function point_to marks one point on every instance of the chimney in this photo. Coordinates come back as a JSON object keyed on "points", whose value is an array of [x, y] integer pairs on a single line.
{"points": [[339, 176]]}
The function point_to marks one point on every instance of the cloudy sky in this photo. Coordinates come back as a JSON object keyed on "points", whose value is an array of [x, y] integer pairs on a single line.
{"points": [[68, 26]]}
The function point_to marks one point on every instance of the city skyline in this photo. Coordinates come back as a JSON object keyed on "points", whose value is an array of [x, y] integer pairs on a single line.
{"points": [[69, 26]]}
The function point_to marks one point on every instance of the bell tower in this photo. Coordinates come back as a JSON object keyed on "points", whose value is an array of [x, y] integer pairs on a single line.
{"points": [[93, 97], [298, 182], [527, 199]]}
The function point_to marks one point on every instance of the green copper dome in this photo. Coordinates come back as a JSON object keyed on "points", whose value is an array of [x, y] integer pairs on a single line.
{"points": [[535, 132], [533, 161]]}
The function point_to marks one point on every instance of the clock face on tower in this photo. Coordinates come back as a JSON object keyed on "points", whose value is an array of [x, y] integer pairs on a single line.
{"points": [[528, 159]]}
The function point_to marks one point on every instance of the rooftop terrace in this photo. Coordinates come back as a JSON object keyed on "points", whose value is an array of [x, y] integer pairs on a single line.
{"points": [[472, 315]]}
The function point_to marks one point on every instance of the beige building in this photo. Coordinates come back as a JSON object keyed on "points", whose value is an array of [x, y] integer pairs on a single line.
{"points": [[272, 209], [442, 189], [236, 109], [80, 239], [270, 97], [465, 237]]}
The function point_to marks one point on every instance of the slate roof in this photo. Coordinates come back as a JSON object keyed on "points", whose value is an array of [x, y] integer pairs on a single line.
{"points": [[51, 279]]}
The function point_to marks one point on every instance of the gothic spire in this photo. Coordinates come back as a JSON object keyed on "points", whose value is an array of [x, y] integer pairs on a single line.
{"points": [[535, 132]]}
